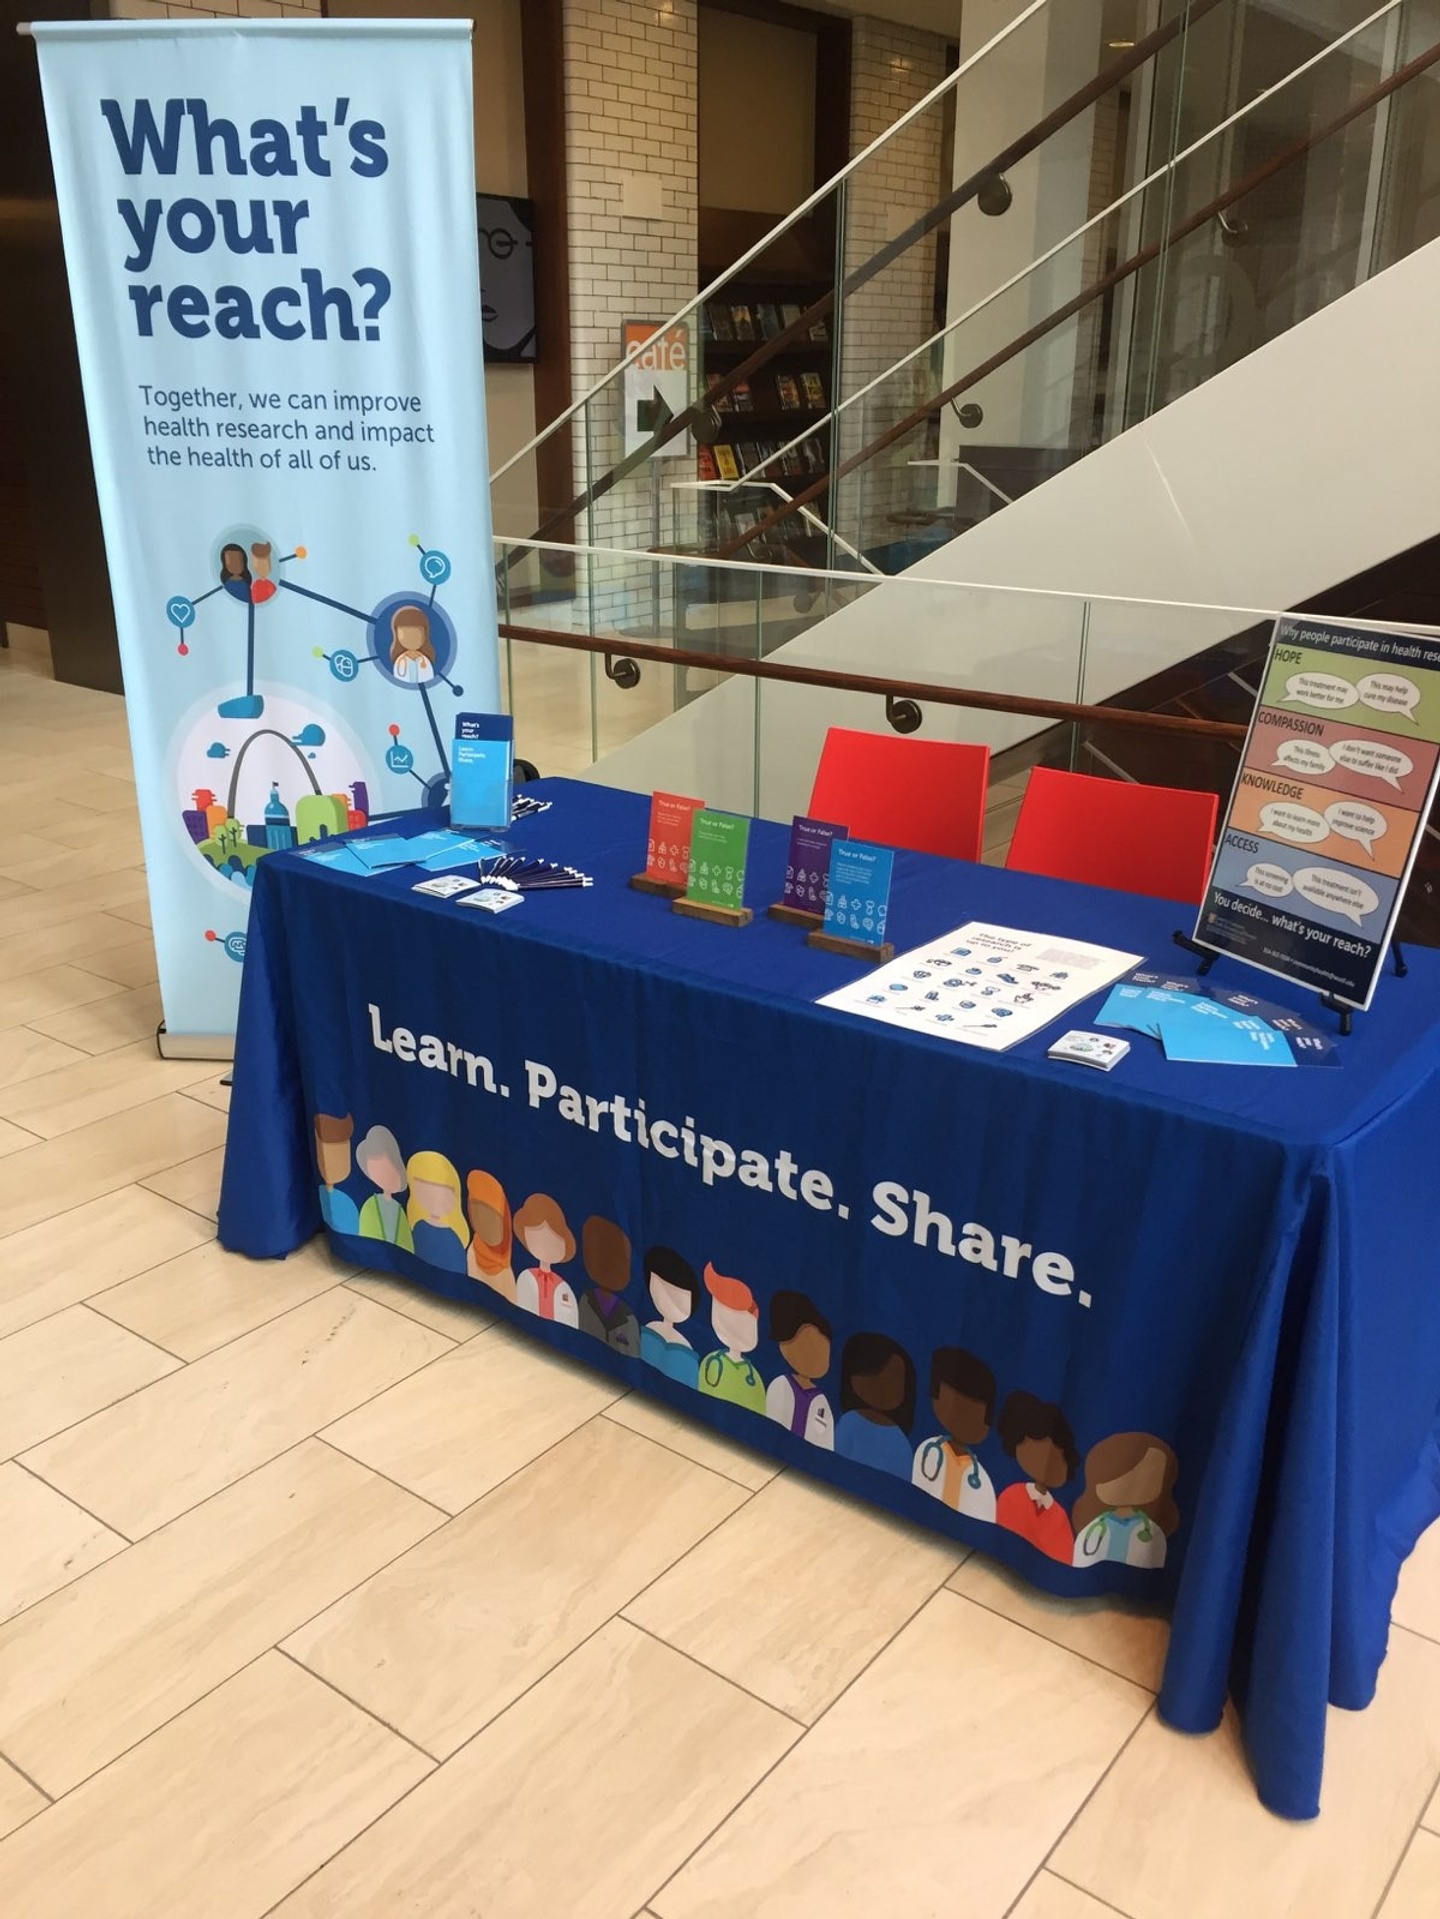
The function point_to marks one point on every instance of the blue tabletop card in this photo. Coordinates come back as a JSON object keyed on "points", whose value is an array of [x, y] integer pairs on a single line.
{"points": [[483, 770], [857, 891]]}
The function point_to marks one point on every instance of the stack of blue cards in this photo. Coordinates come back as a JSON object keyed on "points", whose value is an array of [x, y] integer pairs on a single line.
{"points": [[1195, 1029]]}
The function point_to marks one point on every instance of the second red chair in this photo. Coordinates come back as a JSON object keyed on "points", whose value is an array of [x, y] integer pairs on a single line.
{"points": [[1140, 839], [925, 795]]}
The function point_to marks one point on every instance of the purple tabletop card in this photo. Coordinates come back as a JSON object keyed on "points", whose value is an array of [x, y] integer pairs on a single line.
{"points": [[808, 863]]}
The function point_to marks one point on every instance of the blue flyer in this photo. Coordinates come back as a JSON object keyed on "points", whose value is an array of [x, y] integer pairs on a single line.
{"points": [[857, 891], [1204, 1033], [483, 770]]}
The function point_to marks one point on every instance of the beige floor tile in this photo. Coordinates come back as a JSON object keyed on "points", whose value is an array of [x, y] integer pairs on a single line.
{"points": [[219, 1814], [120, 1020], [575, 1803], [1416, 1891], [19, 1800], [83, 937], [451, 1634], [1127, 1638], [50, 1178], [60, 865], [1417, 1601], [134, 907], [208, 1297], [25, 1055], [93, 1086], [473, 1418], [944, 1775], [132, 966], [1183, 1812], [452, 1317], [796, 1593], [1431, 1816], [53, 990], [694, 1440], [1050, 1898], [120, 894], [13, 1138], [210, 1092], [47, 1541], [178, 1442], [64, 1368], [115, 829], [24, 849], [92, 1669], [13, 889], [63, 1260], [193, 1182]]}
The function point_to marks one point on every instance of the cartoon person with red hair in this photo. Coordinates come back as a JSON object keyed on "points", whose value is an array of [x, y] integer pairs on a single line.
{"points": [[735, 1315]]}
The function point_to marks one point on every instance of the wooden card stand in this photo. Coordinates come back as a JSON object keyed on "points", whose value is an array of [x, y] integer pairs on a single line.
{"points": [[852, 949], [794, 915], [667, 889], [721, 915]]}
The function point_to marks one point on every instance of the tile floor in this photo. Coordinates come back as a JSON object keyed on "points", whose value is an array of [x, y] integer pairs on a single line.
{"points": [[318, 1596]]}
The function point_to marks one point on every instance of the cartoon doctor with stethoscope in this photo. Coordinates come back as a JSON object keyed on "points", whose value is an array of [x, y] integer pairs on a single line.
{"points": [[1127, 1511], [962, 1395]]}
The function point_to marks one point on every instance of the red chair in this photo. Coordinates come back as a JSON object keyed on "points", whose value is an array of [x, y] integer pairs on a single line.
{"points": [[927, 795], [1141, 839]]}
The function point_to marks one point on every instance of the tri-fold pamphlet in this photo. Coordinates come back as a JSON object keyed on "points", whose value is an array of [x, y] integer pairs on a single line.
{"points": [[987, 986]]}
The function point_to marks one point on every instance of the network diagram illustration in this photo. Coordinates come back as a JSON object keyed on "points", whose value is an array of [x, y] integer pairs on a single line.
{"points": [[409, 641]]}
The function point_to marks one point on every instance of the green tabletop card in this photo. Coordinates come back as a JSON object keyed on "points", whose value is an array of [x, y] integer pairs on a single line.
{"points": [[719, 843]]}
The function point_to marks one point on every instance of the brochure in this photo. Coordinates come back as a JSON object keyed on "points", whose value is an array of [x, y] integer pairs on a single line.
{"points": [[857, 891], [808, 864], [1089, 1049], [986, 986], [1156, 1003], [482, 774]]}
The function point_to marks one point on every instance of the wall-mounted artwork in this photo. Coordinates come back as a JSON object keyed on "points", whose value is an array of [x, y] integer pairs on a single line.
{"points": [[507, 276]]}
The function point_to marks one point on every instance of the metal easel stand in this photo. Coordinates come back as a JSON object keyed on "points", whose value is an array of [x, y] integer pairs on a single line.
{"points": [[1208, 958]]}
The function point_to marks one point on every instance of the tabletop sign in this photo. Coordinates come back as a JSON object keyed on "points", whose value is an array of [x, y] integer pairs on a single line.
{"points": [[1336, 781], [857, 901], [482, 777], [719, 844], [807, 865], [667, 849]]}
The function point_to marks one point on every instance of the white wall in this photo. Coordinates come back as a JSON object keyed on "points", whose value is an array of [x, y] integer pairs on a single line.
{"points": [[1309, 461]]}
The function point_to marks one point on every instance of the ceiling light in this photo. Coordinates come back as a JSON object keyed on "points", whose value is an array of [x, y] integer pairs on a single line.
{"points": [[1119, 46]]}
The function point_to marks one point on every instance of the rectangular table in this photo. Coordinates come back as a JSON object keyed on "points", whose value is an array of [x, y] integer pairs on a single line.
{"points": [[1171, 1332]]}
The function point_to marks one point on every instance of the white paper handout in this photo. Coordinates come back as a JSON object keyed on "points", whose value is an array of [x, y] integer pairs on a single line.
{"points": [[987, 986]]}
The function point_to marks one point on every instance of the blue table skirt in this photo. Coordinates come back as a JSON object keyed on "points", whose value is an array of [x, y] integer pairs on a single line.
{"points": [[1171, 1332]]}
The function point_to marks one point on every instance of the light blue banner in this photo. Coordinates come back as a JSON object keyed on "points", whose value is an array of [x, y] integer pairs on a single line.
{"points": [[271, 242]]}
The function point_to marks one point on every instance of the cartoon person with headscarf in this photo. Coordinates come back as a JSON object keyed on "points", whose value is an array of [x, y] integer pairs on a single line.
{"points": [[1127, 1511], [488, 1258]]}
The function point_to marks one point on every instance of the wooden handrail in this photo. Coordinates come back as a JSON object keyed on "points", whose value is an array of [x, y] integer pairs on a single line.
{"points": [[1020, 149], [1054, 711], [1286, 156]]}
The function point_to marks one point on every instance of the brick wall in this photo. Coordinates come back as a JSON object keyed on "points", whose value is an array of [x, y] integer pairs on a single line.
{"points": [[209, 9], [630, 88]]}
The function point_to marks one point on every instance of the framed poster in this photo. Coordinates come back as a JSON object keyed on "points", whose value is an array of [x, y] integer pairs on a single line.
{"points": [[1334, 788], [507, 277]]}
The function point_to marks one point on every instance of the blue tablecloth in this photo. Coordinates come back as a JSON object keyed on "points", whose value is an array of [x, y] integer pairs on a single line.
{"points": [[1170, 1332]]}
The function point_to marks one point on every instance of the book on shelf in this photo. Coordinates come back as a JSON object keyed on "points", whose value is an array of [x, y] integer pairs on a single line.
{"points": [[787, 391], [789, 313], [744, 322], [724, 401], [767, 318], [749, 455], [814, 456], [814, 389], [791, 465], [726, 464], [819, 332], [705, 463], [721, 324], [707, 325], [743, 398]]}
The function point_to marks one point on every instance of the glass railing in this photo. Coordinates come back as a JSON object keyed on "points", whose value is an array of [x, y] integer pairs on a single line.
{"points": [[1105, 225]]}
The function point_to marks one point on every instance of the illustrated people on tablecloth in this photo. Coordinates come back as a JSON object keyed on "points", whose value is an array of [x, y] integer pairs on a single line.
{"points": [[1127, 1511], [333, 1132], [488, 1257], [877, 1403], [793, 1399], [962, 1397], [605, 1249], [1038, 1438], [412, 651], [735, 1317], [383, 1215], [541, 1229], [675, 1294], [437, 1221]]}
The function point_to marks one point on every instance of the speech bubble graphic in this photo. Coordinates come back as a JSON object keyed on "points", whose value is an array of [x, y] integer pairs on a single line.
{"points": [[1304, 756], [1273, 881], [1390, 693], [1354, 820], [1320, 689], [1375, 761], [1290, 822], [1337, 892]]}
